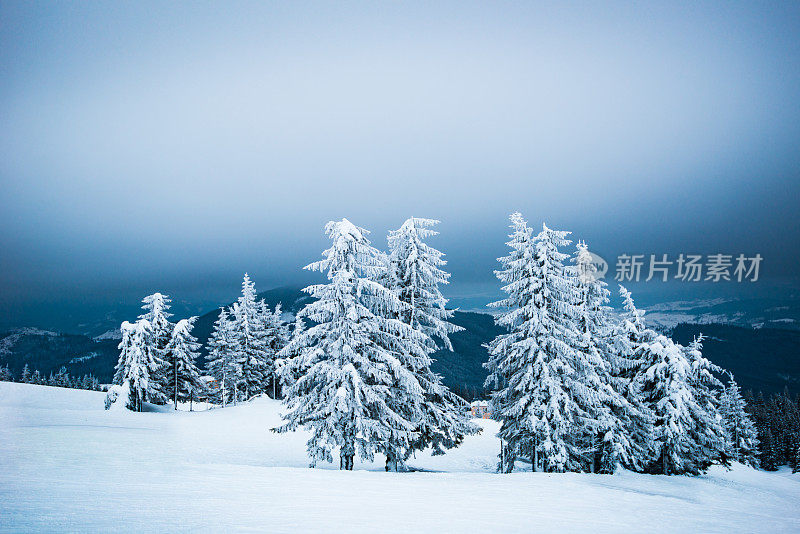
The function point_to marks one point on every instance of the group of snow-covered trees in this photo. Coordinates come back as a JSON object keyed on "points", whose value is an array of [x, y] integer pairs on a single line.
{"points": [[777, 419], [157, 362], [60, 379], [243, 348], [578, 388], [359, 377], [157, 359]]}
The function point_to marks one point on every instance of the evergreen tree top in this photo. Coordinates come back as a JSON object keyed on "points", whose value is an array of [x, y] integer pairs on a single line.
{"points": [[350, 251], [248, 290], [413, 273], [631, 316], [156, 306], [183, 328]]}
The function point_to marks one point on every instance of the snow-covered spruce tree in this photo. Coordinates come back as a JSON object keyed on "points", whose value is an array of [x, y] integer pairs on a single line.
{"points": [[249, 336], [686, 435], [537, 369], [742, 443], [156, 308], [506, 359], [284, 333], [6, 375], [284, 362], [414, 274], [629, 334], [615, 417], [707, 391], [184, 384], [221, 359], [351, 381], [768, 458], [796, 467], [61, 378], [136, 364], [276, 336], [26, 374]]}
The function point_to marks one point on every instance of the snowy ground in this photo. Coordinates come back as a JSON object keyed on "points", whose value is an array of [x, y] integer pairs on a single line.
{"points": [[68, 465]]}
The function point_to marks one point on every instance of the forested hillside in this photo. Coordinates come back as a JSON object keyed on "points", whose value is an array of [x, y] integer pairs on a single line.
{"points": [[763, 359]]}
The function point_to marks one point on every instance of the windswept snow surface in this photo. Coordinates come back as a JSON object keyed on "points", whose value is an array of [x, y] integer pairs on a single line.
{"points": [[66, 464]]}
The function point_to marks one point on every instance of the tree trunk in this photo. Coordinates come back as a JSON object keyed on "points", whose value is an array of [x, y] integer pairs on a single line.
{"points": [[346, 461], [392, 463], [509, 457], [175, 383], [348, 450], [223, 391]]}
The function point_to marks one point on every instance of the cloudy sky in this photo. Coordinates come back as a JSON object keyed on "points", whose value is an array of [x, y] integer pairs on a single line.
{"points": [[173, 145]]}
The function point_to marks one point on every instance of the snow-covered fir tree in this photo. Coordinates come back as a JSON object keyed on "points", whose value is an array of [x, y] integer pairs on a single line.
{"points": [[184, 377], [285, 371], [539, 372], [707, 390], [287, 374], [221, 361], [507, 363], [742, 442], [136, 364], [284, 332], [5, 374], [414, 273], [686, 435], [614, 415], [156, 308], [276, 336], [249, 336], [628, 336], [796, 468], [352, 390], [61, 378], [26, 374]]}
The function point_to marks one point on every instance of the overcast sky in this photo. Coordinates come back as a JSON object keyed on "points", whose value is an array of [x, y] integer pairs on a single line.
{"points": [[172, 146]]}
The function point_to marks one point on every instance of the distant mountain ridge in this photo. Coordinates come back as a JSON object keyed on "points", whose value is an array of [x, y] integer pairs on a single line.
{"points": [[47, 351], [762, 359], [751, 313]]}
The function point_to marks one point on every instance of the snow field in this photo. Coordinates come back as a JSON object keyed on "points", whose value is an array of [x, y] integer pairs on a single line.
{"points": [[69, 465]]}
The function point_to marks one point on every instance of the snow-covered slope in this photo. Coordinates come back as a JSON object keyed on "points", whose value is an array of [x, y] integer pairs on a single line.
{"points": [[67, 464]]}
